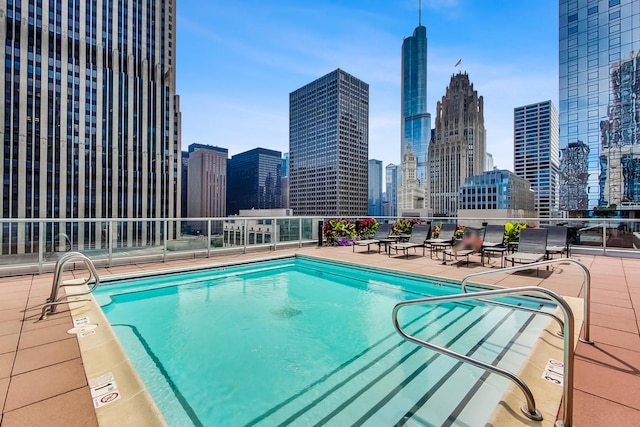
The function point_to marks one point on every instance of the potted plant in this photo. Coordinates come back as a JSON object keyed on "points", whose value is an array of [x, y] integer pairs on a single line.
{"points": [[339, 232]]}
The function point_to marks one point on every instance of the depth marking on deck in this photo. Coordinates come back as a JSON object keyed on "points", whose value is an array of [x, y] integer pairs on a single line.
{"points": [[104, 390], [554, 372]]}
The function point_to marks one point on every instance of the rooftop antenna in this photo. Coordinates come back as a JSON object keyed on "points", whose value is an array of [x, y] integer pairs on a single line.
{"points": [[420, 13]]}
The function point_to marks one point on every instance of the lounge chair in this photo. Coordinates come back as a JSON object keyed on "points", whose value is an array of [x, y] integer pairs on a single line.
{"points": [[419, 235], [444, 239], [557, 241], [493, 242], [469, 233], [381, 236], [532, 246]]}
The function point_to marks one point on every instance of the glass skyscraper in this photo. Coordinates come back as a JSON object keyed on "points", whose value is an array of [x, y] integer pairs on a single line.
{"points": [[375, 187], [91, 119], [254, 180], [391, 180], [329, 146], [416, 122], [536, 153], [599, 104]]}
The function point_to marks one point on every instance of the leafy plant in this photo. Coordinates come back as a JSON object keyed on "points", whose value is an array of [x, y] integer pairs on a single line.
{"points": [[403, 226], [435, 232], [367, 227], [512, 231], [336, 228], [459, 232]]}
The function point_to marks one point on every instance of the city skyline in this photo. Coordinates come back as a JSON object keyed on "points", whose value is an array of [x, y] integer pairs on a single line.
{"points": [[252, 64]]}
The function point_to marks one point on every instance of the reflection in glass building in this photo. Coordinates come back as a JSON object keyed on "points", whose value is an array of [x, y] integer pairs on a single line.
{"points": [[416, 122], [600, 104], [254, 180], [375, 187], [329, 146], [91, 120]]}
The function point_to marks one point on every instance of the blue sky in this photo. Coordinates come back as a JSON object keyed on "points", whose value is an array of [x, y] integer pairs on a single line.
{"points": [[239, 60]]}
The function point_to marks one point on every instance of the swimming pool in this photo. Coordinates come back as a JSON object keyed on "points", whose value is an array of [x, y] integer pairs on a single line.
{"points": [[300, 341]]}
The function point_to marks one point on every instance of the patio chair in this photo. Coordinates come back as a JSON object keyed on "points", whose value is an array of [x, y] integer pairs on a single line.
{"points": [[444, 240], [557, 241], [532, 246], [381, 236], [471, 235], [493, 242], [417, 239]]}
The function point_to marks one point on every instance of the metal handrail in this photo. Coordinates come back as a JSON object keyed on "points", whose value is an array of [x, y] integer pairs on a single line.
{"points": [[529, 409], [53, 300], [586, 284]]}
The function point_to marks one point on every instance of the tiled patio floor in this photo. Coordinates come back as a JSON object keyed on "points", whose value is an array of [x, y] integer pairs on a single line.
{"points": [[42, 381]]}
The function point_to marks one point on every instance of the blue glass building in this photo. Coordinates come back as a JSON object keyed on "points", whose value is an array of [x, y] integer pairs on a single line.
{"points": [[375, 187], [416, 122], [599, 104], [254, 180], [391, 180]]}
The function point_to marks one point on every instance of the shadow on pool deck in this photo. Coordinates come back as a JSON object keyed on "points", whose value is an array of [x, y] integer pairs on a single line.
{"points": [[42, 380]]}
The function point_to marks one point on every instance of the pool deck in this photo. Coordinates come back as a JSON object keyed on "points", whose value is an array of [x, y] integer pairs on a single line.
{"points": [[43, 382]]}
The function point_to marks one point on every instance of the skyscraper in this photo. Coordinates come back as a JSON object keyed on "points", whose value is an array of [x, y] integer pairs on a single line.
{"points": [[91, 116], [599, 104], [537, 153], [375, 187], [254, 180], [207, 177], [391, 178], [328, 146], [458, 149], [416, 122]]}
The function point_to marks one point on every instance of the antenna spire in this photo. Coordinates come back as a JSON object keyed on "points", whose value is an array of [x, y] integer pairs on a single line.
{"points": [[419, 13]]}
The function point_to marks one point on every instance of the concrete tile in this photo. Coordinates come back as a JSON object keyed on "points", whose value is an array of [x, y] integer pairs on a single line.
{"points": [[608, 383], [32, 323], [13, 303], [10, 327], [33, 358], [6, 364], [4, 386], [615, 338], [614, 322], [612, 310], [74, 408], [11, 314], [9, 343], [46, 335], [594, 411], [621, 359], [35, 386]]}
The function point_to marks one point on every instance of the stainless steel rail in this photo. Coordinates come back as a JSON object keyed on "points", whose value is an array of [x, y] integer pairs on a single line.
{"points": [[529, 409], [586, 284], [53, 301]]}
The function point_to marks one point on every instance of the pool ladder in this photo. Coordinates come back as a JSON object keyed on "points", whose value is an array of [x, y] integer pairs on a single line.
{"points": [[529, 409], [51, 305]]}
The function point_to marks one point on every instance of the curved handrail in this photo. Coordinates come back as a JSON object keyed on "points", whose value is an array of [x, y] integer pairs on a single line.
{"points": [[530, 408], [53, 300], [586, 285]]}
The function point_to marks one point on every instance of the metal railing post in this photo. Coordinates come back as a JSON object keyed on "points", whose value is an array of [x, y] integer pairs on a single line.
{"points": [[209, 238], [41, 237], [110, 241], [275, 233], [164, 249], [604, 238], [244, 234], [300, 232]]}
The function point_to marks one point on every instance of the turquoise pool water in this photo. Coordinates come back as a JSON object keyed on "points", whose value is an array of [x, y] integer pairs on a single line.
{"points": [[304, 342]]}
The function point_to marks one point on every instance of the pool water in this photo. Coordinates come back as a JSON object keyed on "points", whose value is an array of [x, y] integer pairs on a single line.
{"points": [[304, 342]]}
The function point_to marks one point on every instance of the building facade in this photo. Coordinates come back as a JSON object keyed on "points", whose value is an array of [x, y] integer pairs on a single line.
{"points": [[599, 104], [416, 121], [391, 189], [91, 119], [254, 180], [536, 150], [375, 188], [411, 196], [285, 181], [328, 146], [458, 149], [207, 190], [495, 194]]}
